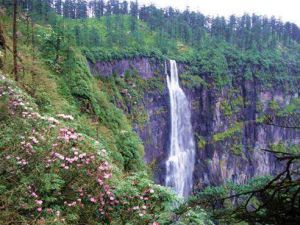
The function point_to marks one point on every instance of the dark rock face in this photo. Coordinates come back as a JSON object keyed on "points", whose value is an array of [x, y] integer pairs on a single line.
{"points": [[218, 161], [155, 132], [146, 68], [229, 144]]}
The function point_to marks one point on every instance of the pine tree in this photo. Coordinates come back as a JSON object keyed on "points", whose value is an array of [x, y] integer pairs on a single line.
{"points": [[134, 9], [108, 8], [69, 9], [81, 9], [101, 7], [124, 8], [47, 8], [58, 7], [134, 16], [115, 7]]}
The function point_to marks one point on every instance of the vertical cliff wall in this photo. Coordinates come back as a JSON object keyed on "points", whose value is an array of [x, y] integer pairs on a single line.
{"points": [[231, 136], [227, 123]]}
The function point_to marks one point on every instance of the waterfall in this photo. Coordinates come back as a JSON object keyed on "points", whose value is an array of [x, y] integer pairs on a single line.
{"points": [[180, 163]]}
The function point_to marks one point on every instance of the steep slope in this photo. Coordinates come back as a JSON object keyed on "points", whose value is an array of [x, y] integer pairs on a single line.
{"points": [[68, 155]]}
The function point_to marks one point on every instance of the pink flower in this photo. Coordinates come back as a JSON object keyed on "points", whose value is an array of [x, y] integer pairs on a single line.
{"points": [[82, 155], [34, 140], [100, 181], [106, 188], [72, 204], [65, 117], [93, 200], [107, 175], [28, 145], [39, 202], [52, 120], [39, 209], [33, 194]]}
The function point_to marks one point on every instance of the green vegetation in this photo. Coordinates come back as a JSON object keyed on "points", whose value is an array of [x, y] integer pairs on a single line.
{"points": [[68, 153], [215, 49], [233, 104], [127, 93], [237, 149], [192, 81], [291, 109], [273, 105], [61, 176], [201, 142], [285, 147], [235, 129], [266, 200], [226, 108]]}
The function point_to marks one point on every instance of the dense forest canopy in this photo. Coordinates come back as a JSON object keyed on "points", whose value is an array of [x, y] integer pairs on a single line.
{"points": [[252, 45], [246, 32]]}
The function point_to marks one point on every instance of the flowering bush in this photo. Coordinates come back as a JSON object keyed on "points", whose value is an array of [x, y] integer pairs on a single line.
{"points": [[52, 174]]}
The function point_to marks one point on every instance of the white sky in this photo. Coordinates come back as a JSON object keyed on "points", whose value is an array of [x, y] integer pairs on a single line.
{"points": [[287, 10]]}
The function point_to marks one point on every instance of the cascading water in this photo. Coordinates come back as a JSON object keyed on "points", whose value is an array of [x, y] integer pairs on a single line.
{"points": [[180, 164]]}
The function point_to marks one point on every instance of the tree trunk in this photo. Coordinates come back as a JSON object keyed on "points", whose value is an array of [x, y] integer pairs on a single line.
{"points": [[27, 28], [15, 51], [57, 47], [32, 40], [2, 47]]}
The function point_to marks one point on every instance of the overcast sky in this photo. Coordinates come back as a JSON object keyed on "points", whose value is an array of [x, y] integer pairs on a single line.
{"points": [[287, 10]]}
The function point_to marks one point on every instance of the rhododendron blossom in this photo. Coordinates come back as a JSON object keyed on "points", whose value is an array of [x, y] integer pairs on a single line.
{"points": [[39, 202], [39, 209], [88, 181], [65, 117], [93, 200]]}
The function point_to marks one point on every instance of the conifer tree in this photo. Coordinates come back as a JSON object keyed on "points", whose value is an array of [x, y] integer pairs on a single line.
{"points": [[58, 7]]}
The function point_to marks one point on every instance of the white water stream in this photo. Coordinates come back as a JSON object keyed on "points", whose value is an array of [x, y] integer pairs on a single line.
{"points": [[180, 164]]}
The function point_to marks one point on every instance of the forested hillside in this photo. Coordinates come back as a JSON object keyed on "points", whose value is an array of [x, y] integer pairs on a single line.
{"points": [[74, 141], [125, 30]]}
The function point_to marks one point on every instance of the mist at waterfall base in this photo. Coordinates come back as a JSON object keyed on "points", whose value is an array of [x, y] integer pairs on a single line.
{"points": [[180, 162]]}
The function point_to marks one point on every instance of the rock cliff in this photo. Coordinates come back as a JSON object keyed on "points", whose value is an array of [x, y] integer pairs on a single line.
{"points": [[227, 123]]}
